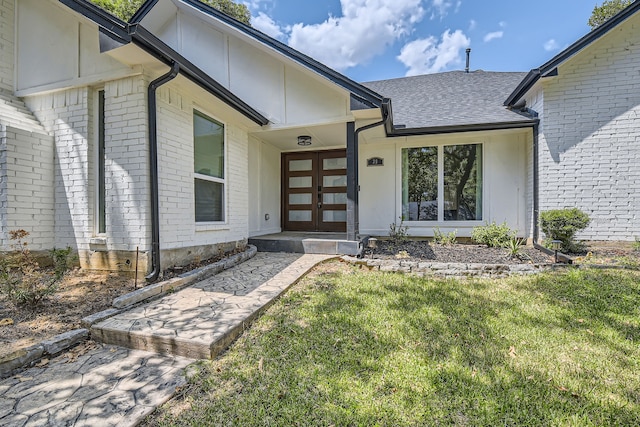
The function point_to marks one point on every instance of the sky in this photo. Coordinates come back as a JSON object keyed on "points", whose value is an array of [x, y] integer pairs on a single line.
{"points": [[370, 40]]}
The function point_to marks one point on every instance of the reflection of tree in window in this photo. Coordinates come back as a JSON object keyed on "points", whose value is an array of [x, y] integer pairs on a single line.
{"points": [[209, 176], [463, 182], [421, 184], [461, 185]]}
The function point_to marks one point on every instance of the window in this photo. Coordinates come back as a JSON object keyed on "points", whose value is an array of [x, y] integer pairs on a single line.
{"points": [[442, 183], [102, 198], [209, 168]]}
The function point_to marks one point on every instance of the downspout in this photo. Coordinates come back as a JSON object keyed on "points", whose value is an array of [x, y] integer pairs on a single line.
{"points": [[353, 234], [153, 168], [536, 183]]}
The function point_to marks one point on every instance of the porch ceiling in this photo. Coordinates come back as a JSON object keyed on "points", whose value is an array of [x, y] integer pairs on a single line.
{"points": [[323, 136]]}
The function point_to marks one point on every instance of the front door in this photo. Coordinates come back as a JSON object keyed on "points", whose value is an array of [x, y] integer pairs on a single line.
{"points": [[315, 191]]}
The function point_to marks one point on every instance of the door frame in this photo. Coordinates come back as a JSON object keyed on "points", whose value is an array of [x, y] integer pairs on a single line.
{"points": [[317, 205]]}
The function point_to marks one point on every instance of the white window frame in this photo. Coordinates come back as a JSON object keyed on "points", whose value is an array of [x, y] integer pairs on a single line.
{"points": [[96, 174], [440, 222], [212, 225]]}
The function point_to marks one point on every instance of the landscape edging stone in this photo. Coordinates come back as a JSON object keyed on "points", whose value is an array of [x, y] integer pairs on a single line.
{"points": [[25, 357]]}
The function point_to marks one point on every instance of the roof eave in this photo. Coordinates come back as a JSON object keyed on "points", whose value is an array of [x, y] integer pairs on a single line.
{"points": [[569, 52], [476, 127]]}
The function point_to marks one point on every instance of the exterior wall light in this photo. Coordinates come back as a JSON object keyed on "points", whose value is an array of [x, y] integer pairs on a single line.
{"points": [[304, 140], [556, 245]]}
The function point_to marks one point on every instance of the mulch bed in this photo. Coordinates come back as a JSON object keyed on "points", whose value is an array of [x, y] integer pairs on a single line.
{"points": [[424, 250]]}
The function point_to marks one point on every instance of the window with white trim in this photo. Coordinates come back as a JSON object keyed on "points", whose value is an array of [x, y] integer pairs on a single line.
{"points": [[442, 183], [209, 168], [101, 217]]}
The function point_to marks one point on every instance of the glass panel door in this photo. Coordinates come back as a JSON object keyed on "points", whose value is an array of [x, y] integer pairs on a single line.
{"points": [[300, 212], [332, 199], [314, 191]]}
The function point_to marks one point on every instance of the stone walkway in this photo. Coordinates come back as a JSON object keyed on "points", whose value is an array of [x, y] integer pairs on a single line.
{"points": [[115, 386]]}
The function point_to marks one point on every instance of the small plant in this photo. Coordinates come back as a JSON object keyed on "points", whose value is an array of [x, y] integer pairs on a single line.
{"points": [[636, 245], [441, 238], [563, 224], [21, 278], [398, 232], [514, 249], [493, 235]]}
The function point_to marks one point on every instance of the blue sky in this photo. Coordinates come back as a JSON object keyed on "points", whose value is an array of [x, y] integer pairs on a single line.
{"points": [[382, 39]]}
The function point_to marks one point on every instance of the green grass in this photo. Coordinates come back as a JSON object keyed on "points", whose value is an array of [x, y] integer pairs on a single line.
{"points": [[346, 347]]}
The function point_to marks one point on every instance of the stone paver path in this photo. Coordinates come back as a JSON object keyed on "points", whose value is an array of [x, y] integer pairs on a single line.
{"points": [[115, 386], [200, 321], [107, 386]]}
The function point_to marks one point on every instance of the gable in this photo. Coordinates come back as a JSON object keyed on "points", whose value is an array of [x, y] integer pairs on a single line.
{"points": [[55, 49], [242, 63]]}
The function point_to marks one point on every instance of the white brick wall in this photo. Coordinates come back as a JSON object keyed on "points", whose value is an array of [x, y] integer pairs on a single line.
{"points": [[6, 44], [590, 135], [177, 211], [65, 115], [127, 165], [69, 115], [26, 181]]}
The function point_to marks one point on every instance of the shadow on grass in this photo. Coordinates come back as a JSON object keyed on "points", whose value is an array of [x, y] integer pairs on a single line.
{"points": [[384, 349]]}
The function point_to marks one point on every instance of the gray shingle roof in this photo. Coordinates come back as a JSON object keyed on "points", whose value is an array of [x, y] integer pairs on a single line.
{"points": [[450, 99]]}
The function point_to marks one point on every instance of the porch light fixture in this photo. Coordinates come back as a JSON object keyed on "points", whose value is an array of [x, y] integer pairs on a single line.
{"points": [[556, 245], [304, 140]]}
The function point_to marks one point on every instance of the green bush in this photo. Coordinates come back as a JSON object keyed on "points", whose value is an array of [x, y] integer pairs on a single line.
{"points": [[493, 235], [563, 224], [22, 280], [441, 238]]}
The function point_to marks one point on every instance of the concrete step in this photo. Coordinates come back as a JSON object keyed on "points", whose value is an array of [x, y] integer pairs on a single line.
{"points": [[201, 321], [306, 245]]}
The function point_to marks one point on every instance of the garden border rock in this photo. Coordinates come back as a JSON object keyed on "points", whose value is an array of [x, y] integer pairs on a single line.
{"points": [[24, 358], [451, 269]]}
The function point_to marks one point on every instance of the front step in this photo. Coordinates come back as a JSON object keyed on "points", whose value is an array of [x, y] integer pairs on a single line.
{"points": [[201, 321], [305, 245]]}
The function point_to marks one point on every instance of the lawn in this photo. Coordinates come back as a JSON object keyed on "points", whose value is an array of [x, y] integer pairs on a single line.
{"points": [[351, 347]]}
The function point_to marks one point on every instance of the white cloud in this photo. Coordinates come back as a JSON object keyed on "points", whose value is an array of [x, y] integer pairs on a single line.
{"points": [[365, 29], [550, 45], [472, 25], [432, 55], [502, 24], [492, 36], [264, 23], [440, 8]]}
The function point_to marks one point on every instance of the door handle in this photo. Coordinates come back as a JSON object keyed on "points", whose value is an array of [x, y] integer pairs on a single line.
{"points": [[319, 205]]}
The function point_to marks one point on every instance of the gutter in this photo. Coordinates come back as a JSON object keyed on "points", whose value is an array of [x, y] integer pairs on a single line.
{"points": [[437, 130], [153, 168]]}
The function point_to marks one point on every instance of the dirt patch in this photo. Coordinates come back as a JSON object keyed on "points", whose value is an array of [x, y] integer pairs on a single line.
{"points": [[80, 294]]}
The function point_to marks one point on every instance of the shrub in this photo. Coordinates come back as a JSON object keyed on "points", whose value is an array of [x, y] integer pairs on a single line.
{"points": [[21, 278], [398, 232], [563, 224], [493, 235], [444, 239], [636, 245]]}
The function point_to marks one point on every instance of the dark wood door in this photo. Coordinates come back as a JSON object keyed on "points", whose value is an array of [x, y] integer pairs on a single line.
{"points": [[315, 191]]}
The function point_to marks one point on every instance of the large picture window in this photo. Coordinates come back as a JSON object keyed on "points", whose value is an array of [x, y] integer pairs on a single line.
{"points": [[442, 183], [209, 168]]}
